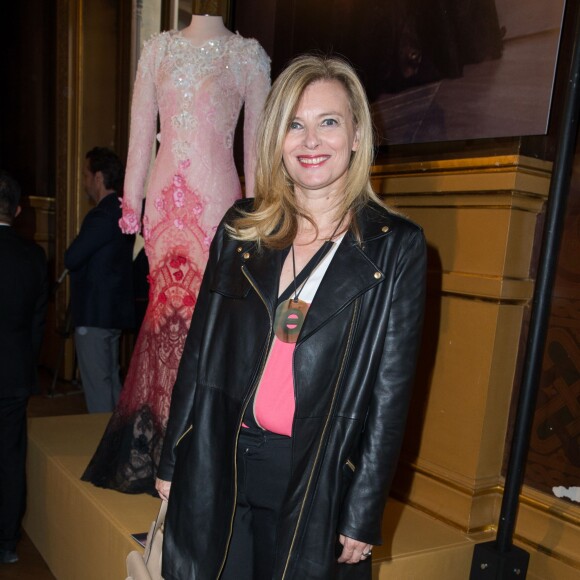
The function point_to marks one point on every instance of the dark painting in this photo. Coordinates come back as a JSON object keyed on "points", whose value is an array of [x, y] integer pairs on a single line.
{"points": [[434, 70]]}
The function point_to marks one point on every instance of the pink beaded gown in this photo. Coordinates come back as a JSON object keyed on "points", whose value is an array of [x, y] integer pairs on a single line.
{"points": [[198, 92]]}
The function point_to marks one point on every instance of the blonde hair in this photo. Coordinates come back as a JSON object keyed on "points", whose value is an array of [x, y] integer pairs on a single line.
{"points": [[274, 220]]}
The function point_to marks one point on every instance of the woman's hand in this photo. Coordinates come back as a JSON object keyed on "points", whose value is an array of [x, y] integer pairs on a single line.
{"points": [[353, 551], [163, 488]]}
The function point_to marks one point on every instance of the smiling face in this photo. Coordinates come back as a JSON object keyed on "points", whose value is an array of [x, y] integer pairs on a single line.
{"points": [[320, 140]]}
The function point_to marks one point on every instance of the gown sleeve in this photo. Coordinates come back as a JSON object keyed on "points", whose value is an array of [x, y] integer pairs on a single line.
{"points": [[144, 109], [257, 85]]}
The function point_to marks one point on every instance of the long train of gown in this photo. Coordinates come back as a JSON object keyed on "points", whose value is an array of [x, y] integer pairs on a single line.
{"points": [[198, 92]]}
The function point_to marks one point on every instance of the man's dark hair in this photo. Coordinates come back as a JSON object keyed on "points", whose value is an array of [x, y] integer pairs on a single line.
{"points": [[9, 196], [108, 163]]}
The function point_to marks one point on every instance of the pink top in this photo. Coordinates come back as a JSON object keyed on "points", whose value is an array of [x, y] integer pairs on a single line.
{"points": [[274, 404]]}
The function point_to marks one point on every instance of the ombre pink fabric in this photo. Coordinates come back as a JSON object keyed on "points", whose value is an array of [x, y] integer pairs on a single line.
{"points": [[197, 92]]}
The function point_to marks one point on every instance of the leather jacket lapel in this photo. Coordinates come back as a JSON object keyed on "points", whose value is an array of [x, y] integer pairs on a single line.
{"points": [[339, 286]]}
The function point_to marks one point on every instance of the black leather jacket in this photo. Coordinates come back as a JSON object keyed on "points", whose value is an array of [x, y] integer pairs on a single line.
{"points": [[353, 371]]}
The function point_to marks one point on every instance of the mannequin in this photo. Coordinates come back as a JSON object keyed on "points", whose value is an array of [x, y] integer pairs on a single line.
{"points": [[205, 27], [196, 80]]}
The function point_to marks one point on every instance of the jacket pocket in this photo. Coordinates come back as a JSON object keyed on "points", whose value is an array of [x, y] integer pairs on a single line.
{"points": [[183, 435], [348, 469]]}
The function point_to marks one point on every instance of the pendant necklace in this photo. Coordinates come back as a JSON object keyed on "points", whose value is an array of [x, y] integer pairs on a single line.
{"points": [[291, 313]]}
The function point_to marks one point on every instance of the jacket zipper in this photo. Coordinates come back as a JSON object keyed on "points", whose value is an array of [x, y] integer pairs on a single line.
{"points": [[351, 465], [183, 435], [252, 390], [321, 440]]}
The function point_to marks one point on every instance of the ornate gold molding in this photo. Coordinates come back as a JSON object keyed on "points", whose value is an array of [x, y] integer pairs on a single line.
{"points": [[44, 209], [518, 175], [545, 523], [68, 116]]}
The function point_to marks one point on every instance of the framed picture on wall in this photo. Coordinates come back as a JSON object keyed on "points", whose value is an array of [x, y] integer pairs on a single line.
{"points": [[434, 71]]}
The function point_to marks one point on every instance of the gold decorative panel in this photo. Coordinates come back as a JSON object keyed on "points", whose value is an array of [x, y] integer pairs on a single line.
{"points": [[480, 218]]}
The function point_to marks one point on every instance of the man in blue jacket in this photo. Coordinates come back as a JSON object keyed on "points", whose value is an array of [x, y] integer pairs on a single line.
{"points": [[23, 298], [100, 264]]}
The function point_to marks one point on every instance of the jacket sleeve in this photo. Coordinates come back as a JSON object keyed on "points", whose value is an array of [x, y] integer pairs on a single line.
{"points": [[380, 443], [184, 388], [97, 230]]}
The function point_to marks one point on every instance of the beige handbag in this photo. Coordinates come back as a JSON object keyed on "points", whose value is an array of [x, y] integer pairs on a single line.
{"points": [[147, 566]]}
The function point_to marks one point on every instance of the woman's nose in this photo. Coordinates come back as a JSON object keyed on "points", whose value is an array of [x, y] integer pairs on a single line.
{"points": [[311, 139]]}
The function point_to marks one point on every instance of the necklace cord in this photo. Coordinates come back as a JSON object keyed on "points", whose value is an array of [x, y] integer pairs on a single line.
{"points": [[327, 245]]}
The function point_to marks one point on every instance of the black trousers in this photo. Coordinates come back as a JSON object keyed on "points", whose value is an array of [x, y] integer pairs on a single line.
{"points": [[12, 469], [263, 462]]}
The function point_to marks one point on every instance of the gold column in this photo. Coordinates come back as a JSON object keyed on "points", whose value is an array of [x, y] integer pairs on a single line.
{"points": [[90, 59], [480, 218]]}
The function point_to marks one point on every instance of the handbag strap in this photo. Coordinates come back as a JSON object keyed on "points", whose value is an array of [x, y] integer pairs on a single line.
{"points": [[159, 521]]}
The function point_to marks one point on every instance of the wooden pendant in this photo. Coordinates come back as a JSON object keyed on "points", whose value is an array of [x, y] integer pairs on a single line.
{"points": [[290, 316]]}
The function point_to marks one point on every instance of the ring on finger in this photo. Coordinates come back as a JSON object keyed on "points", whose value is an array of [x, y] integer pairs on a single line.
{"points": [[366, 554]]}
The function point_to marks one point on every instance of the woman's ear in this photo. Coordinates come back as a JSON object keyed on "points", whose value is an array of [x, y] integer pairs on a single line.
{"points": [[356, 141]]}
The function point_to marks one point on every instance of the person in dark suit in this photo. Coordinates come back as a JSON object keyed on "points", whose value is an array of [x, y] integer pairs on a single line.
{"points": [[101, 277], [23, 299]]}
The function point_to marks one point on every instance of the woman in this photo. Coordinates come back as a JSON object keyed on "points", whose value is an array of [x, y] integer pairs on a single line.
{"points": [[291, 398]]}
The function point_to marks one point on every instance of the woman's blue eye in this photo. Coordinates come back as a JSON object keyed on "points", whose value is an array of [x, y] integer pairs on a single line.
{"points": [[294, 125], [330, 122]]}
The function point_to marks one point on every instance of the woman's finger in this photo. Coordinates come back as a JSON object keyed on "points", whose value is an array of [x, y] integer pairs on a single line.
{"points": [[353, 551]]}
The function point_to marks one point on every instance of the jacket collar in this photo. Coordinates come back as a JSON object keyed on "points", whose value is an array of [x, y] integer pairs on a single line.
{"points": [[374, 221], [264, 268], [350, 274]]}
